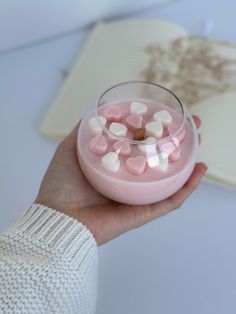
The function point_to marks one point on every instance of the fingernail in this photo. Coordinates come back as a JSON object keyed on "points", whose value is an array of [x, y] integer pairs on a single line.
{"points": [[205, 168]]}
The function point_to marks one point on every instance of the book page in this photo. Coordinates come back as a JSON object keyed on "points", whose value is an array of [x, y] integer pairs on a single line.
{"points": [[218, 132], [115, 52], [202, 73]]}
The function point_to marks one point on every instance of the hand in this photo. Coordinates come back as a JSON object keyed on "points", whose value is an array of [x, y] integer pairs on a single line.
{"points": [[65, 189]]}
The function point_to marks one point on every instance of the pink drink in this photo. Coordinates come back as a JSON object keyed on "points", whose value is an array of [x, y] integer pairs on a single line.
{"points": [[134, 182]]}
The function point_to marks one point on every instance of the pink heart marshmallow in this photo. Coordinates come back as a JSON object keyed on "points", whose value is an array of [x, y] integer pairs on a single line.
{"points": [[168, 147], [98, 145], [112, 114], [134, 121], [176, 154], [180, 136], [122, 148], [136, 165]]}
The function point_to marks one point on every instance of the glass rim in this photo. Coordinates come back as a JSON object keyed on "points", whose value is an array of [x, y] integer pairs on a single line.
{"points": [[145, 141]]}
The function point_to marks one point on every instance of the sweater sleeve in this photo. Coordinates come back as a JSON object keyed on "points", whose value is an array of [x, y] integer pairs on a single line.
{"points": [[48, 264]]}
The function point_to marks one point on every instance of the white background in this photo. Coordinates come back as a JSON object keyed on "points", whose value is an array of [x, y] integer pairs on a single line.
{"points": [[184, 263]]}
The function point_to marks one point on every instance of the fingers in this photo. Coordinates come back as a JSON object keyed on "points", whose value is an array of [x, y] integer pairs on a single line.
{"points": [[199, 139], [69, 142], [197, 121], [74, 132], [135, 216], [178, 198]]}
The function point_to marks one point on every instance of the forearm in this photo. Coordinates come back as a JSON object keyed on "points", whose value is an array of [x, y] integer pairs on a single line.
{"points": [[48, 264]]}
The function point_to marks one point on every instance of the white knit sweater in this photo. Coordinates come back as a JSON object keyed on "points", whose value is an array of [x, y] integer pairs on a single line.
{"points": [[48, 264]]}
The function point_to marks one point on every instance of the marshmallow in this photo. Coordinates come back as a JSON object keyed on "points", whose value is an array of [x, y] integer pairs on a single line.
{"points": [[98, 145], [122, 148], [94, 125], [112, 113], [167, 147], [176, 154], [154, 128], [136, 165], [118, 129], [164, 116], [153, 161], [148, 148], [111, 162], [138, 108], [180, 136], [134, 121], [163, 165]]}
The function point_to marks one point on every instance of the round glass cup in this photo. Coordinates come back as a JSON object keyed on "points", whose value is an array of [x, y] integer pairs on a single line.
{"points": [[138, 144]]}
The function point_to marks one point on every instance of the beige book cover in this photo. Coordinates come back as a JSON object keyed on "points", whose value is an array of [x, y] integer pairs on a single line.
{"points": [[201, 72]]}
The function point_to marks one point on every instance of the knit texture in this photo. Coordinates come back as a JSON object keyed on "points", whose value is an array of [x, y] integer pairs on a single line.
{"points": [[48, 264]]}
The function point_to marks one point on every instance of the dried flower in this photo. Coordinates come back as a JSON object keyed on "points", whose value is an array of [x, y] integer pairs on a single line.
{"points": [[194, 68]]}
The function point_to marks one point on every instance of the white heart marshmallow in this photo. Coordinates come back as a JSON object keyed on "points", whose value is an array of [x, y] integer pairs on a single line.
{"points": [[153, 161], [138, 108], [118, 129], [154, 128], [94, 125], [163, 165], [111, 162], [164, 116], [148, 148]]}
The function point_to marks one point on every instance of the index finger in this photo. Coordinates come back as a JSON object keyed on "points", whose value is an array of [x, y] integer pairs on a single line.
{"points": [[197, 121]]}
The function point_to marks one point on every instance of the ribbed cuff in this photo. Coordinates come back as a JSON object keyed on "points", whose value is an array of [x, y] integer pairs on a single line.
{"points": [[56, 233]]}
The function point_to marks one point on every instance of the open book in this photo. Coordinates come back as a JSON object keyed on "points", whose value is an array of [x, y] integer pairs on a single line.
{"points": [[201, 72]]}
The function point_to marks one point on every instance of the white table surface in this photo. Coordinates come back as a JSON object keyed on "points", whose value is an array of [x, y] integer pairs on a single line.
{"points": [[184, 263]]}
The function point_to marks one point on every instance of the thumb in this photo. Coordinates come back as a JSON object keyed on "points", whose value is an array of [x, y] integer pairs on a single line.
{"points": [[73, 133]]}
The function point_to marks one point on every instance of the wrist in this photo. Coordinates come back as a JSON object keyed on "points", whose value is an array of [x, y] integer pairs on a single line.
{"points": [[62, 207]]}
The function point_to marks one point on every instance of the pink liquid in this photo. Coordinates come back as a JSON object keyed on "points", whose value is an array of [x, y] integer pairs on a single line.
{"points": [[153, 185]]}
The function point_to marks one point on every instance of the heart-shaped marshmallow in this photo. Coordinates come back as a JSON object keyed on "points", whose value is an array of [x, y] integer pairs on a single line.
{"points": [[111, 162], [164, 116], [153, 161], [112, 114], [98, 144], [138, 108], [134, 121], [163, 165], [118, 129], [167, 147], [176, 154], [94, 125], [154, 128], [136, 165], [122, 148], [148, 148], [180, 135]]}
